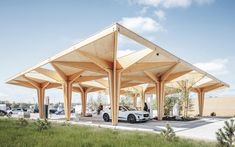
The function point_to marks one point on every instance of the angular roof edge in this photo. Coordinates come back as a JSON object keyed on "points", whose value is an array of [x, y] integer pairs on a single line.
{"points": [[121, 29]]}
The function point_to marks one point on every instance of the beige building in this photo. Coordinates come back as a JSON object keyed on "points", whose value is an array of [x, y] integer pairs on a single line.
{"points": [[222, 106]]}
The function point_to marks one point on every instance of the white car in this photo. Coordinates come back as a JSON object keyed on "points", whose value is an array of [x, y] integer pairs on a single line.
{"points": [[18, 110], [127, 114]]}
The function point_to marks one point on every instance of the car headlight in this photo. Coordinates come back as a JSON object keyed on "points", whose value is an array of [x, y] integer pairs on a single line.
{"points": [[138, 114]]}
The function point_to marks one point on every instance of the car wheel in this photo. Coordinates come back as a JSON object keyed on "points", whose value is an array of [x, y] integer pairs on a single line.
{"points": [[131, 118], [106, 117]]}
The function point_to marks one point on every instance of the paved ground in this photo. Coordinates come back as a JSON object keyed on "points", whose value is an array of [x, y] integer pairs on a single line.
{"points": [[204, 128]]}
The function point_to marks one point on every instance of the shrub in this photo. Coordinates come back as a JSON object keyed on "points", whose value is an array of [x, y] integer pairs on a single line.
{"points": [[226, 135], [213, 114], [168, 133], [42, 124], [22, 122]]}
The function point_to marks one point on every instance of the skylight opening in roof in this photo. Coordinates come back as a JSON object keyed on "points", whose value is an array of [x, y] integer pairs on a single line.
{"points": [[127, 46]]}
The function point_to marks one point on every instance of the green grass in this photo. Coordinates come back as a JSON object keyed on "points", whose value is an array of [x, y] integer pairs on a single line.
{"points": [[14, 135]]}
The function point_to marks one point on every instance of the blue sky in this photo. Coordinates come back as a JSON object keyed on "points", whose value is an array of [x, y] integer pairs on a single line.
{"points": [[199, 31]]}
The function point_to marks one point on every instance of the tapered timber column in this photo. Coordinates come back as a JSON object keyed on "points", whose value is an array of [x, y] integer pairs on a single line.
{"points": [[201, 97], [134, 98], [67, 89], [142, 99], [40, 87], [160, 94], [83, 99], [41, 95], [67, 85], [114, 90]]}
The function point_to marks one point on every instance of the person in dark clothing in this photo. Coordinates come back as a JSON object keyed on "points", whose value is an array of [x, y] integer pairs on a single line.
{"points": [[100, 108], [145, 107]]}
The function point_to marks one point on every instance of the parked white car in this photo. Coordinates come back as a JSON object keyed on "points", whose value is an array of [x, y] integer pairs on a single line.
{"points": [[18, 110], [127, 114]]}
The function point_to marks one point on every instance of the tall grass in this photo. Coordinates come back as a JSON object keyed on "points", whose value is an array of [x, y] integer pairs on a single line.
{"points": [[14, 135]]}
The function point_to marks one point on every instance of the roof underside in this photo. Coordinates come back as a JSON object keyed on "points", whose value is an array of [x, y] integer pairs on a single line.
{"points": [[92, 57]]}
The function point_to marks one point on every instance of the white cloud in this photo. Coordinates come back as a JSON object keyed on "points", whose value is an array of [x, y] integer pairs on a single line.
{"points": [[141, 24], [215, 67], [170, 3], [160, 14]]}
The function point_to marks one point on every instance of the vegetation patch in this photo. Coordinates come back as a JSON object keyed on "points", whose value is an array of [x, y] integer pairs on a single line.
{"points": [[13, 134]]}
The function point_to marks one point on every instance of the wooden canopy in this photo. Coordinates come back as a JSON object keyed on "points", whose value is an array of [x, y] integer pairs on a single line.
{"points": [[94, 65]]}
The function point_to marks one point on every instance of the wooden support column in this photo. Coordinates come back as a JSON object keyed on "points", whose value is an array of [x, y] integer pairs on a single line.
{"points": [[142, 99], [67, 85], [67, 90], [114, 77], [40, 87], [160, 94], [134, 100], [84, 100], [41, 96], [201, 97]]}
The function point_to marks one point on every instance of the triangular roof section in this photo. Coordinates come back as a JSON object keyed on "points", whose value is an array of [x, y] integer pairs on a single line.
{"points": [[94, 57]]}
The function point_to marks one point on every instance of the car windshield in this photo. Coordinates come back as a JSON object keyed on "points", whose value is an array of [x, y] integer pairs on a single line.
{"points": [[130, 109]]}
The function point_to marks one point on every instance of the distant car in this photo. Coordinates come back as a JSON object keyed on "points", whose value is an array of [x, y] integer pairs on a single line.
{"points": [[127, 114], [60, 112], [5, 113], [52, 110], [17, 110]]}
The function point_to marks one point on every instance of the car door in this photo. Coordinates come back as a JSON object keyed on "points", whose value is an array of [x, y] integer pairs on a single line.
{"points": [[122, 113]]}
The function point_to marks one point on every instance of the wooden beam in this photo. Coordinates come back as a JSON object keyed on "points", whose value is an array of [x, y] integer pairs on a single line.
{"points": [[129, 60], [166, 74], [152, 76], [96, 89], [53, 85], [212, 87], [138, 78], [22, 83], [49, 73], [75, 76], [149, 89], [130, 85], [176, 75], [105, 65], [76, 89], [32, 82], [60, 72], [82, 65], [146, 66], [45, 85], [103, 82], [89, 78]]}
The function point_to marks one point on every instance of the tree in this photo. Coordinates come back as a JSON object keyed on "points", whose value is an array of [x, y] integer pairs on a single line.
{"points": [[184, 88], [226, 135], [169, 103]]}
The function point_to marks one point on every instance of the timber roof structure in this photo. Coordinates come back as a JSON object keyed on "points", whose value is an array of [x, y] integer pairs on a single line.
{"points": [[91, 59]]}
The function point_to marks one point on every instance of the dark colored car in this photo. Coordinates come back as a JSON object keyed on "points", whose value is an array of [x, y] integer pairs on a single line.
{"points": [[52, 110]]}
